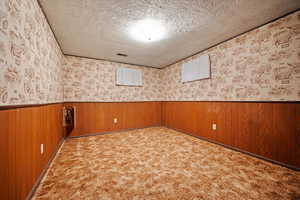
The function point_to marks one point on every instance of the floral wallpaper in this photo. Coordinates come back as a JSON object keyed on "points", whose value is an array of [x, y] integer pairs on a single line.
{"points": [[261, 65], [94, 80], [30, 59]]}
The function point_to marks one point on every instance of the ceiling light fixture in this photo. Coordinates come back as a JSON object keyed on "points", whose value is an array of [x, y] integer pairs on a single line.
{"points": [[147, 30]]}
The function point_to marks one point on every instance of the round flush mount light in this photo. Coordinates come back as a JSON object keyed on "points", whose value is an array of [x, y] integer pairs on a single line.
{"points": [[147, 30]]}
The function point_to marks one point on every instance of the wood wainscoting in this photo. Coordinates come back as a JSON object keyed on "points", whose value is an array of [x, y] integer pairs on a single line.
{"points": [[22, 131], [269, 130], [94, 118]]}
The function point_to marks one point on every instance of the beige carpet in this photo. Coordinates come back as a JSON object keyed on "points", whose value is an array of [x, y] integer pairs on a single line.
{"points": [[159, 163]]}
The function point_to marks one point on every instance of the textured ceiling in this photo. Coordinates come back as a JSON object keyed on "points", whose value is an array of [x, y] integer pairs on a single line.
{"points": [[100, 28]]}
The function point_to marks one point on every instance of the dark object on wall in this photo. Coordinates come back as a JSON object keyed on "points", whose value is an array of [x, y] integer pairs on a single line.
{"points": [[92, 118], [68, 119]]}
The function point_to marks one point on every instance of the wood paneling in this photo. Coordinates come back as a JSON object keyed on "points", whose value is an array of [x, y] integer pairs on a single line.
{"points": [[221, 116], [298, 135], [204, 119], [285, 126], [252, 128], [270, 130], [91, 118], [6, 153], [23, 130]]}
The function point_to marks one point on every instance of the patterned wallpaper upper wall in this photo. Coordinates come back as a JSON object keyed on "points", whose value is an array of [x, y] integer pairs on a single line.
{"points": [[261, 65], [30, 58], [94, 80]]}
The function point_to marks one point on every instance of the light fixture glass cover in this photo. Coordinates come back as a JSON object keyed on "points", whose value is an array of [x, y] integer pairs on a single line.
{"points": [[147, 30]]}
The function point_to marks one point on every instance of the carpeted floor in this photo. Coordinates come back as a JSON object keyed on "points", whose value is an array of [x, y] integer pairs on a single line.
{"points": [[159, 163]]}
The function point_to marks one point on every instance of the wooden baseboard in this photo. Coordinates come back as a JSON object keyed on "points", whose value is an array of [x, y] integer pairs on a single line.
{"points": [[108, 132], [99, 117], [45, 170], [239, 150], [201, 138]]}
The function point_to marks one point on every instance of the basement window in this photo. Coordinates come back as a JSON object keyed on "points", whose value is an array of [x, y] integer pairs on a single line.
{"points": [[128, 77], [196, 69]]}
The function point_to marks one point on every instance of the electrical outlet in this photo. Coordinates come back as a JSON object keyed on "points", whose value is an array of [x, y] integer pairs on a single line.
{"points": [[214, 126], [42, 148], [115, 120]]}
